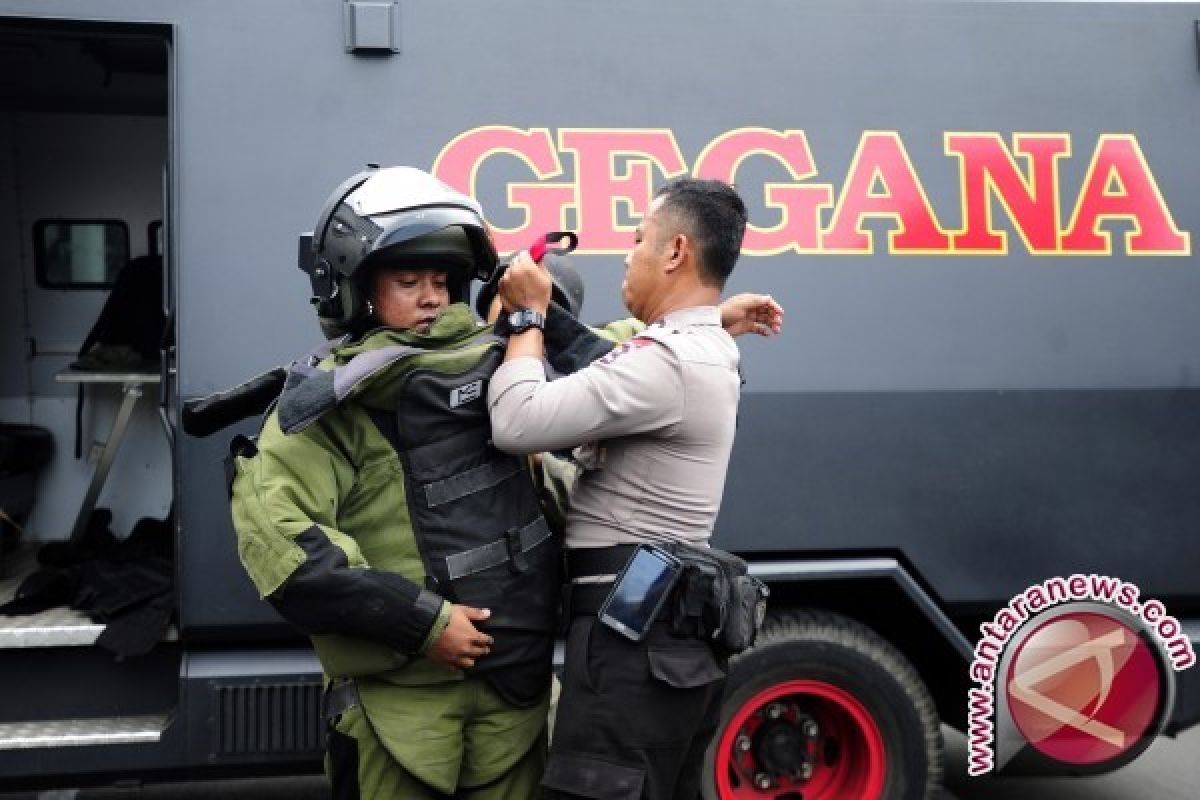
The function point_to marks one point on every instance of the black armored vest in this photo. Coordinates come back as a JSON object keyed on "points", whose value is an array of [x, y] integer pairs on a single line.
{"points": [[478, 523]]}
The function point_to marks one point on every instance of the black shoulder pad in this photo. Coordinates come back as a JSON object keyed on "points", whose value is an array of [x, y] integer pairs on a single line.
{"points": [[206, 415]]}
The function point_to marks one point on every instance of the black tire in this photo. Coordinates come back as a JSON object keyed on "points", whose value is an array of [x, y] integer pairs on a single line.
{"points": [[839, 652]]}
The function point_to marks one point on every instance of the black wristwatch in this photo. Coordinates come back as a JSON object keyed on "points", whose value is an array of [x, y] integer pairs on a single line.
{"points": [[523, 319]]}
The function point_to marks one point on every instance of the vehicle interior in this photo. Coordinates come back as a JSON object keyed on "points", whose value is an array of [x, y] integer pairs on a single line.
{"points": [[86, 489]]}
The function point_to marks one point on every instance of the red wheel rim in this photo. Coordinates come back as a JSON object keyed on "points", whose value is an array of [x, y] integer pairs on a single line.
{"points": [[846, 755]]}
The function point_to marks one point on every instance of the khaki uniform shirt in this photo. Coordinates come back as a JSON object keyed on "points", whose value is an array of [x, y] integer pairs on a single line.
{"points": [[655, 419]]}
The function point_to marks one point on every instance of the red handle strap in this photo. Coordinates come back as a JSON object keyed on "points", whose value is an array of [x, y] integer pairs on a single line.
{"points": [[543, 244]]}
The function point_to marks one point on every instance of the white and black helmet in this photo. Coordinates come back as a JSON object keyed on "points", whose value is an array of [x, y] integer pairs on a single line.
{"points": [[394, 215]]}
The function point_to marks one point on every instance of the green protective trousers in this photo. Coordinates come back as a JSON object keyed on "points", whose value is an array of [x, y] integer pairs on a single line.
{"points": [[455, 740]]}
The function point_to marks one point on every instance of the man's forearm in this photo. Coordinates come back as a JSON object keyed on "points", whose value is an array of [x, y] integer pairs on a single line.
{"points": [[529, 343], [325, 595]]}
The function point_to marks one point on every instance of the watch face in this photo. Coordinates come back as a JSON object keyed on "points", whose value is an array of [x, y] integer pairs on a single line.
{"points": [[523, 319]]}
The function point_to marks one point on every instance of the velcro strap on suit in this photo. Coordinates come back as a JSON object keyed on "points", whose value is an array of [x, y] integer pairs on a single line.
{"points": [[507, 549], [474, 480]]}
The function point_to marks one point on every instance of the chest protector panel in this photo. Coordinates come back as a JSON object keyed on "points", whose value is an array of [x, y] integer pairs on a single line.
{"points": [[478, 523]]}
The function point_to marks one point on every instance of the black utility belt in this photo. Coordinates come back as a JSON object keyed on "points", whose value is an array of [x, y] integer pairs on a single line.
{"points": [[712, 596], [586, 599]]}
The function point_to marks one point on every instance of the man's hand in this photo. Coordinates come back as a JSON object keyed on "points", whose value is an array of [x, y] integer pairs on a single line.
{"points": [[752, 313], [525, 284], [461, 644]]}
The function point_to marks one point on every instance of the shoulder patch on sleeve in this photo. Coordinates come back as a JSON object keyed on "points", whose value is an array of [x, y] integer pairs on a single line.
{"points": [[627, 346]]}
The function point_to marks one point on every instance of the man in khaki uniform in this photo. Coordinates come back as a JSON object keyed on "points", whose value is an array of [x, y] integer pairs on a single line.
{"points": [[656, 421], [374, 514]]}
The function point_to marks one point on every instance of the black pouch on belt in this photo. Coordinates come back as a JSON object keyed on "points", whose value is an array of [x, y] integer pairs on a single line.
{"points": [[717, 599]]}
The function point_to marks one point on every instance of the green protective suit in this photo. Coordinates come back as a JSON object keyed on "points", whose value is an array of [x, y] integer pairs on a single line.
{"points": [[341, 480]]}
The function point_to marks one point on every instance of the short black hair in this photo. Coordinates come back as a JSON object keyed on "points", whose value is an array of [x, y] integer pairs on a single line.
{"points": [[713, 215]]}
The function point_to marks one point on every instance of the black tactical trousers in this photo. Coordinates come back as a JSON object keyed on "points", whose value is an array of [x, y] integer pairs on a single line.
{"points": [[633, 719]]}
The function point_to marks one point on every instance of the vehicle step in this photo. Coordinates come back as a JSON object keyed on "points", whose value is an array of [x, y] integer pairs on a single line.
{"points": [[55, 627], [82, 732]]}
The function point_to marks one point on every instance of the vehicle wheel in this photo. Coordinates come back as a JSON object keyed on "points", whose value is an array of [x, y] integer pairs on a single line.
{"points": [[823, 708]]}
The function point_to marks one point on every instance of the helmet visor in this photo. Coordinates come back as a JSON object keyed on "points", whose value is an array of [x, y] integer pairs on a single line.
{"points": [[474, 248]]}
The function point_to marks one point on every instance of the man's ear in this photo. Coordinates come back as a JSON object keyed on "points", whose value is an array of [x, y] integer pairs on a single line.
{"points": [[679, 252]]}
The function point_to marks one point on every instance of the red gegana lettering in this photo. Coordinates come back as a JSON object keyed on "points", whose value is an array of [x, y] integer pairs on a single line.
{"points": [[1119, 186], [616, 172], [544, 204], [799, 206], [599, 182], [883, 184], [987, 169]]}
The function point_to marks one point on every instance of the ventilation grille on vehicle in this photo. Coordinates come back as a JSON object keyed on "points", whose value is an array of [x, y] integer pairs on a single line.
{"points": [[269, 718]]}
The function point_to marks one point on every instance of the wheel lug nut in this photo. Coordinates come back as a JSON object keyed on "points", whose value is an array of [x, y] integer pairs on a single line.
{"points": [[743, 743], [810, 729], [774, 711], [762, 780]]}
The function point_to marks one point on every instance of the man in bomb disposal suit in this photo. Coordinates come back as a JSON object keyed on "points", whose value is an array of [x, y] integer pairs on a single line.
{"points": [[657, 415], [375, 515]]}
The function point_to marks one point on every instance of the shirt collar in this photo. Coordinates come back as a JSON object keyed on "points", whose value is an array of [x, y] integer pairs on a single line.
{"points": [[696, 315]]}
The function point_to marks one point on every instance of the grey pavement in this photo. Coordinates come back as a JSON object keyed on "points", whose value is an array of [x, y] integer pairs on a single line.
{"points": [[1169, 770], [298, 788]]}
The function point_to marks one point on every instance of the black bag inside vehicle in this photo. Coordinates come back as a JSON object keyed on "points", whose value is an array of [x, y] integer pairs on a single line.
{"points": [[128, 333], [716, 599]]}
